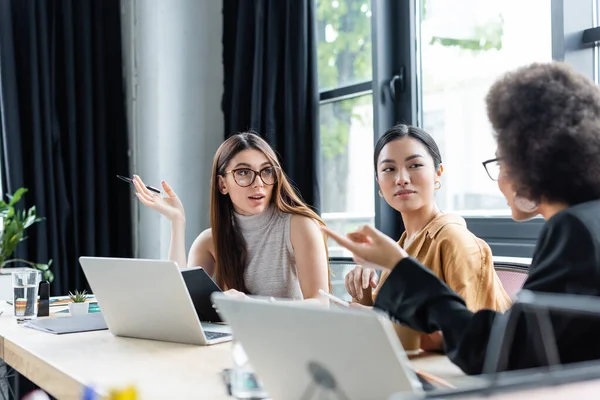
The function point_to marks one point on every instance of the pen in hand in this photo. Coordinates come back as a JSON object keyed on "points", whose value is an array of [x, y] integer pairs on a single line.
{"points": [[126, 179], [334, 299]]}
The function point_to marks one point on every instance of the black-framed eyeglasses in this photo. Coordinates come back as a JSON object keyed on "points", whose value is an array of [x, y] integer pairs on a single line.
{"points": [[492, 167], [245, 177]]}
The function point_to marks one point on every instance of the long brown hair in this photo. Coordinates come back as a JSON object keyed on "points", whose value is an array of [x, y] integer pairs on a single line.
{"points": [[230, 246]]}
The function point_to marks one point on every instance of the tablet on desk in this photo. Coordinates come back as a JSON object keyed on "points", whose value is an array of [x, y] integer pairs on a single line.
{"points": [[200, 286]]}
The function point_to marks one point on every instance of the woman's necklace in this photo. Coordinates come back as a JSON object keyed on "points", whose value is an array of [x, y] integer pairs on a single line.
{"points": [[408, 241]]}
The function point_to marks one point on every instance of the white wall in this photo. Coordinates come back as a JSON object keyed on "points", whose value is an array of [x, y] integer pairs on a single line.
{"points": [[174, 76]]}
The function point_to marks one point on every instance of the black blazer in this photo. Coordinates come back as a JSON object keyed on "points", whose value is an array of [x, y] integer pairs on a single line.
{"points": [[566, 260]]}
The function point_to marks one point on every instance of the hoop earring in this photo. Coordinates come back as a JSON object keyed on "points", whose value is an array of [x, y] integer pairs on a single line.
{"points": [[525, 205], [380, 194], [437, 185]]}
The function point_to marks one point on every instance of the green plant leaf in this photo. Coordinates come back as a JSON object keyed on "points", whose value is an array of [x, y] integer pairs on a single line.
{"points": [[49, 276], [30, 220], [16, 196], [41, 267], [3, 208]]}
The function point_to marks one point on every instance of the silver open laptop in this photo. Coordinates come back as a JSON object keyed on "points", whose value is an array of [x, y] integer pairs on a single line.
{"points": [[301, 351], [148, 299]]}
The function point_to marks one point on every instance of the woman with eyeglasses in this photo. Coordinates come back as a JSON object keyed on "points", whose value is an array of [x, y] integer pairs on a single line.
{"points": [[264, 240], [408, 170], [546, 119]]}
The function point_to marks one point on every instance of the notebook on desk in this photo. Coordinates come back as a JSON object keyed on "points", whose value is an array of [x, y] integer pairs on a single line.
{"points": [[60, 301], [79, 323], [92, 309]]}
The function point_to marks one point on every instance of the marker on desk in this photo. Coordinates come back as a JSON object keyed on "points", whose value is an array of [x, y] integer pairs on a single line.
{"points": [[88, 393], [333, 298], [129, 393]]}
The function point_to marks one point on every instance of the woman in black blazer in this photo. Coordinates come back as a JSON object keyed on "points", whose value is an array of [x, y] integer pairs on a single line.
{"points": [[546, 119]]}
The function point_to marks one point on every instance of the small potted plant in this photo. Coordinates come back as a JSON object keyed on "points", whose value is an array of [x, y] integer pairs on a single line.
{"points": [[79, 306]]}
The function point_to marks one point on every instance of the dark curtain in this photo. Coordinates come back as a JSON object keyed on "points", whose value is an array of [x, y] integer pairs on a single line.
{"points": [[270, 67], [64, 131]]}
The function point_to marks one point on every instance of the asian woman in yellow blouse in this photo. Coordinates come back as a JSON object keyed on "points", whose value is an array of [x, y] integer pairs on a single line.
{"points": [[408, 168]]}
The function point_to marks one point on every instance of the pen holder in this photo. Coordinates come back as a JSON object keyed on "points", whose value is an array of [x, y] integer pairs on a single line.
{"points": [[44, 299]]}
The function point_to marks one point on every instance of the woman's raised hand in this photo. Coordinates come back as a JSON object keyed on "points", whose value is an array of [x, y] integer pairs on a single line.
{"points": [[169, 206]]}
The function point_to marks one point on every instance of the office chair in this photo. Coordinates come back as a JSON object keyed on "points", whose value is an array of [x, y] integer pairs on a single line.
{"points": [[340, 266], [536, 306], [512, 275]]}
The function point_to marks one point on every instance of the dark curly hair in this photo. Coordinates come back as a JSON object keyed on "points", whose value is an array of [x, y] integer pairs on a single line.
{"points": [[546, 119]]}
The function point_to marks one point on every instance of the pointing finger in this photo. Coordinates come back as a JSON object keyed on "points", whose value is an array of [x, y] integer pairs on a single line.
{"points": [[344, 242]]}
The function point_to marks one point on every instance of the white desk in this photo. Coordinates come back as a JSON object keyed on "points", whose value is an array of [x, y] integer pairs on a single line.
{"points": [[63, 364]]}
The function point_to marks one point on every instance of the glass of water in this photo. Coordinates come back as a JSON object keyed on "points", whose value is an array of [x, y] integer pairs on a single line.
{"points": [[25, 290]]}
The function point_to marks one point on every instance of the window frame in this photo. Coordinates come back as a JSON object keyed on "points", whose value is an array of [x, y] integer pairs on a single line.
{"points": [[341, 93]]}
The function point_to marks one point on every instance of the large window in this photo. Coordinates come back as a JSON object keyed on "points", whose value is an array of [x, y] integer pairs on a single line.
{"points": [[430, 63], [465, 46], [345, 81]]}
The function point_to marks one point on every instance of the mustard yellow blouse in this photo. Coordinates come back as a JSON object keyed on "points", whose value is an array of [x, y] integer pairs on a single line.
{"points": [[460, 259]]}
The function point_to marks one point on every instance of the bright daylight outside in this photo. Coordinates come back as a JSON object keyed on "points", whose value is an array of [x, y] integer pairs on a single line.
{"points": [[464, 46]]}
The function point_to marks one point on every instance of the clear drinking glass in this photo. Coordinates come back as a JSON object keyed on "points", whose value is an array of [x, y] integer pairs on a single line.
{"points": [[25, 290]]}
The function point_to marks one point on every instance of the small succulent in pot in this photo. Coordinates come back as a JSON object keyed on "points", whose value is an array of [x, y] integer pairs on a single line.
{"points": [[78, 305], [78, 297]]}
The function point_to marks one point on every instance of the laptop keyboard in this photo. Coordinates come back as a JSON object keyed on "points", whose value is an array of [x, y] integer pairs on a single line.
{"points": [[215, 335]]}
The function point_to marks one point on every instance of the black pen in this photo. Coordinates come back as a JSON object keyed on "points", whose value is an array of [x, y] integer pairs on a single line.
{"points": [[126, 179]]}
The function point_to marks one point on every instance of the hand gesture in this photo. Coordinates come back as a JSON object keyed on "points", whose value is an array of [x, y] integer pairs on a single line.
{"points": [[169, 206], [370, 247], [359, 280]]}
